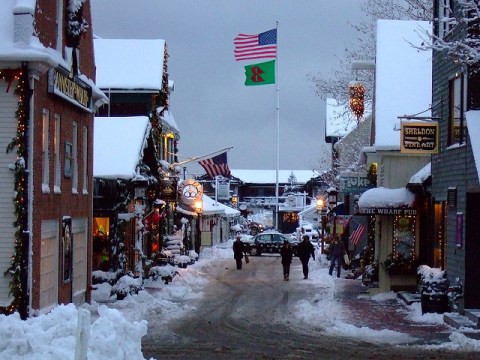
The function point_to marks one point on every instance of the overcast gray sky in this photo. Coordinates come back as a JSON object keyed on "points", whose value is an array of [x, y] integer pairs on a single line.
{"points": [[211, 105]]}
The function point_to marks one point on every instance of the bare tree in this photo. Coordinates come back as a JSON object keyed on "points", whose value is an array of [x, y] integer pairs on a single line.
{"points": [[336, 86], [465, 48]]}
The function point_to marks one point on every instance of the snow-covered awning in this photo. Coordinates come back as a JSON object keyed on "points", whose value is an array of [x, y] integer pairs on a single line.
{"points": [[385, 201], [212, 207], [473, 125]]}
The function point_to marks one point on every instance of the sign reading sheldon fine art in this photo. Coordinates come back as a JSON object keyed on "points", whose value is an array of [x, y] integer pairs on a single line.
{"points": [[419, 137]]}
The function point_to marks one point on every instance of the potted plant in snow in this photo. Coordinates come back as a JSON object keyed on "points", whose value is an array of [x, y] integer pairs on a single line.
{"points": [[127, 285], [434, 289]]}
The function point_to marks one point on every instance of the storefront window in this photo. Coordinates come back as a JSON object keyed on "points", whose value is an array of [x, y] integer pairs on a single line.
{"points": [[404, 236], [101, 253]]}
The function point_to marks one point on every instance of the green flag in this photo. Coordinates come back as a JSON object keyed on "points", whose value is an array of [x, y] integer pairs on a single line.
{"points": [[260, 74]]}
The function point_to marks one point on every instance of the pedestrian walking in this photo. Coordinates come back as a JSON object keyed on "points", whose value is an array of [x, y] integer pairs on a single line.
{"points": [[286, 253], [305, 250], [336, 252], [238, 251]]}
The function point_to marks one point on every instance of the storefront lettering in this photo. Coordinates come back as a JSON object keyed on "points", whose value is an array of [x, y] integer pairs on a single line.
{"points": [[387, 211], [73, 89]]}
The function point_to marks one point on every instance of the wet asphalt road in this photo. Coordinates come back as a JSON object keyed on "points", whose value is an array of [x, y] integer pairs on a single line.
{"points": [[234, 320]]}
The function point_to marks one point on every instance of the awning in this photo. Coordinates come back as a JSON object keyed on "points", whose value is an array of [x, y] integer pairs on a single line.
{"points": [[385, 201]]}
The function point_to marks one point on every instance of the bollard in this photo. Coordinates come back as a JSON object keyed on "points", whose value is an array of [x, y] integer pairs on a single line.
{"points": [[83, 333]]}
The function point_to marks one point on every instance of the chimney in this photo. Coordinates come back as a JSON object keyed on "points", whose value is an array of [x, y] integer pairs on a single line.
{"points": [[23, 21]]}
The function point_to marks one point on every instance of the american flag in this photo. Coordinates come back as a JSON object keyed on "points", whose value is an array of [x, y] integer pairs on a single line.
{"points": [[258, 46], [357, 233], [216, 165]]}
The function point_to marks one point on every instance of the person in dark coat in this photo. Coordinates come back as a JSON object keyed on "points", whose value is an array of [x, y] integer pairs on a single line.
{"points": [[238, 251], [286, 253], [304, 251], [336, 251]]}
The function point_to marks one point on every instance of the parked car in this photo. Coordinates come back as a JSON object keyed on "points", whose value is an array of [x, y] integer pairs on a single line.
{"points": [[268, 242]]}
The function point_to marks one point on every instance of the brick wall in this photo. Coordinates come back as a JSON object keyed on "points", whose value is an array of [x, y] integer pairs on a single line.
{"points": [[52, 205]]}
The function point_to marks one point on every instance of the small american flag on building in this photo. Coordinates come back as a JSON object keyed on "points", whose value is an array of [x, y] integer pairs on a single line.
{"points": [[216, 165], [258, 46], [357, 233]]}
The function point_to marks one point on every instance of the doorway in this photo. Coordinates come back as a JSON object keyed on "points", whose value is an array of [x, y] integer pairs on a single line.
{"points": [[472, 252]]}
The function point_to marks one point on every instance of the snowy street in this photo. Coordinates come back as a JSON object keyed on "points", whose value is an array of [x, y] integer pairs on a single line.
{"points": [[252, 313], [212, 311]]}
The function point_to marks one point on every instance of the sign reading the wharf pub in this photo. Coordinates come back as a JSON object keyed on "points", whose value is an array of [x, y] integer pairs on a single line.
{"points": [[388, 211], [419, 137], [69, 88]]}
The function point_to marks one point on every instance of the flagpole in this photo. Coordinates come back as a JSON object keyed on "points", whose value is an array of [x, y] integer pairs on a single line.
{"points": [[277, 113]]}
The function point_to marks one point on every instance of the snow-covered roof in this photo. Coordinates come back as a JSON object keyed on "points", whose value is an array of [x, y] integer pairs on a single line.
{"points": [[473, 125], [118, 145], [211, 207], [129, 63], [269, 176], [420, 176], [382, 197], [17, 43], [167, 117], [336, 123], [403, 75]]}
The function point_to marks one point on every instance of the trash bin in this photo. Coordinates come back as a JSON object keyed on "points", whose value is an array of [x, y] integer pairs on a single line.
{"points": [[434, 290]]}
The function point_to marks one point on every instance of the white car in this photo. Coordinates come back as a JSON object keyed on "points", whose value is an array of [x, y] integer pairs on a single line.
{"points": [[307, 229]]}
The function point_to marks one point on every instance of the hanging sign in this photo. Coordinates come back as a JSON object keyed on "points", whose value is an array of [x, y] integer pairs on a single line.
{"points": [[419, 137], [189, 191], [354, 183]]}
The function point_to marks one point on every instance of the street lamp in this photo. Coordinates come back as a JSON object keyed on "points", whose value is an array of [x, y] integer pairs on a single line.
{"points": [[198, 206], [332, 203], [320, 206]]}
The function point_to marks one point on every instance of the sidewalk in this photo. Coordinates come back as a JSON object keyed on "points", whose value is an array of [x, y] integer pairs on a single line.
{"points": [[388, 314]]}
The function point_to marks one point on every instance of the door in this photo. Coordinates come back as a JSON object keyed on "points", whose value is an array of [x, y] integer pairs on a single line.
{"points": [[472, 252]]}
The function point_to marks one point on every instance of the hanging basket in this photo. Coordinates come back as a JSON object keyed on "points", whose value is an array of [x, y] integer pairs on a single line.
{"points": [[357, 99]]}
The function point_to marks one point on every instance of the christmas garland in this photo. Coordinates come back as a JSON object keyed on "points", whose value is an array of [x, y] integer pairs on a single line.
{"points": [[18, 263]]}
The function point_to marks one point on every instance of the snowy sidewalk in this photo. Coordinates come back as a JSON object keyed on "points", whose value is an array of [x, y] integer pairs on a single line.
{"points": [[389, 312]]}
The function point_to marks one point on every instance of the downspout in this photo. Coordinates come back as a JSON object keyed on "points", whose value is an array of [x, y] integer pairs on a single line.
{"points": [[28, 222]]}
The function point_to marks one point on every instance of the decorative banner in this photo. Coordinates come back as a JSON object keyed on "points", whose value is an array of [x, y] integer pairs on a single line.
{"points": [[260, 74], [419, 137], [223, 191], [459, 235]]}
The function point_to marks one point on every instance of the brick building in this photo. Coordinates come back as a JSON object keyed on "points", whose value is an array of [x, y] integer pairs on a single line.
{"points": [[48, 98]]}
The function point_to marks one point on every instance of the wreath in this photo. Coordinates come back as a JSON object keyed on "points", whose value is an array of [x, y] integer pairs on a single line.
{"points": [[76, 24]]}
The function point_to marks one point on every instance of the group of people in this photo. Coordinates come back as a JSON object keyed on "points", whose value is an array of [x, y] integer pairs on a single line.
{"points": [[305, 250]]}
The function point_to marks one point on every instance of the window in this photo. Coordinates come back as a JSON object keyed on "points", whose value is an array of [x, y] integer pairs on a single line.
{"points": [[445, 13], [56, 151], [85, 159], [75, 158], [45, 152], [456, 121]]}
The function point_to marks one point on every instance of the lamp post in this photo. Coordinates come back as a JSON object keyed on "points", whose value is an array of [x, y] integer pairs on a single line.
{"points": [[320, 207], [198, 206], [332, 203], [140, 186]]}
